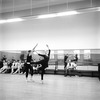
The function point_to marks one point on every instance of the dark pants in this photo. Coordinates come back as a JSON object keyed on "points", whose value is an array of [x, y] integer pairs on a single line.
{"points": [[27, 68], [65, 69], [42, 71], [42, 68]]}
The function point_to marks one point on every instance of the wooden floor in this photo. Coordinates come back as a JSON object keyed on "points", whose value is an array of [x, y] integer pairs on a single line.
{"points": [[55, 87]]}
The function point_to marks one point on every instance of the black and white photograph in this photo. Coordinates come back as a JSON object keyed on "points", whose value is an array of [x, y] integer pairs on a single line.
{"points": [[49, 49]]}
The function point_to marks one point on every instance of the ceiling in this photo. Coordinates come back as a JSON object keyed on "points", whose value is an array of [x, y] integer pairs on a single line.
{"points": [[24, 8]]}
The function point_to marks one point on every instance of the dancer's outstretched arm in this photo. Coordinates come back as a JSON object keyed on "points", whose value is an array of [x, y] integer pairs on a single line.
{"points": [[34, 47], [49, 51], [39, 54]]}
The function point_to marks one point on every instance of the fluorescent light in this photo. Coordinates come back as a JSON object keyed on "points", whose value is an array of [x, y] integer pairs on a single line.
{"points": [[67, 13], [2, 21], [14, 20], [57, 14], [42, 16], [98, 9], [11, 20], [46, 16]]}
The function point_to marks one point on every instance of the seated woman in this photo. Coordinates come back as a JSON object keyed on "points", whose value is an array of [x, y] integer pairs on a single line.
{"points": [[71, 66], [5, 67], [8, 67], [14, 66], [23, 66], [19, 66]]}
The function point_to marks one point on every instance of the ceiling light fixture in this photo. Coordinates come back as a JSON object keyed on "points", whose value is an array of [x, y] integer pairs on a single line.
{"points": [[98, 9], [15, 20], [11, 20], [46, 16], [57, 14], [2, 21], [67, 13]]}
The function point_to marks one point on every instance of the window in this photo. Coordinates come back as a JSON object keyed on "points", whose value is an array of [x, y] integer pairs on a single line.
{"points": [[52, 55], [87, 54], [61, 54]]}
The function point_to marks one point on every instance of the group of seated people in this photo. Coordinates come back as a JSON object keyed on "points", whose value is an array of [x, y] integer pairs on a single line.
{"points": [[18, 66], [70, 64], [12, 66]]}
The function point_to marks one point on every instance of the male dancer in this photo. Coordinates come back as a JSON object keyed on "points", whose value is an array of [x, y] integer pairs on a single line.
{"points": [[28, 63], [43, 62]]}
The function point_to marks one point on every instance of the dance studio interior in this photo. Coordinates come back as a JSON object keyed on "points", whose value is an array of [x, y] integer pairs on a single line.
{"points": [[66, 27]]}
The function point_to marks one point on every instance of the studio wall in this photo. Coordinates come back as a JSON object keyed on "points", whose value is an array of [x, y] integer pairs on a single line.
{"points": [[99, 30], [0, 41], [70, 32], [0, 30], [0, 38], [11, 55]]}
